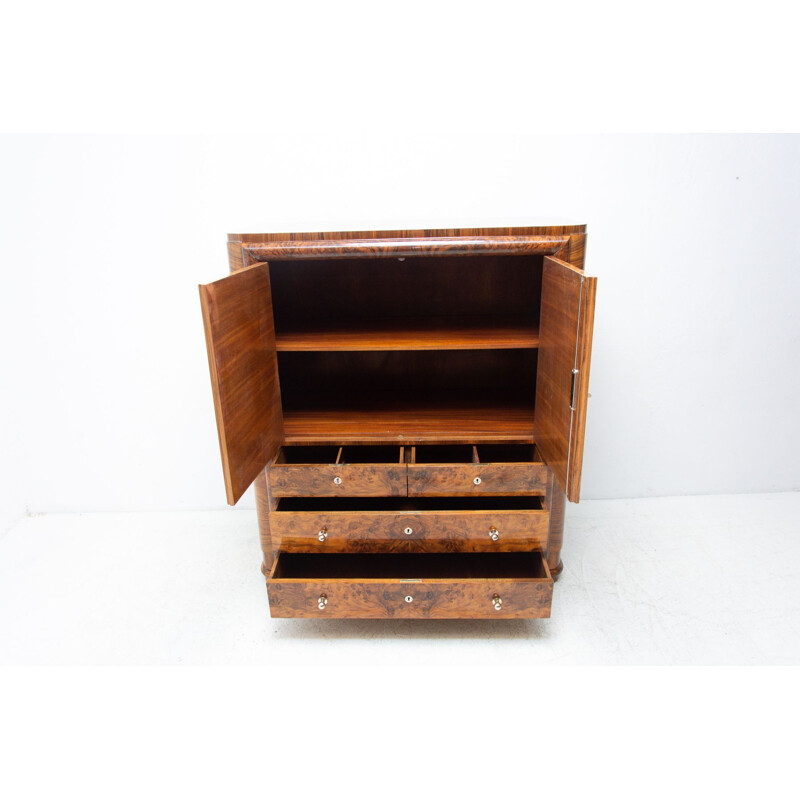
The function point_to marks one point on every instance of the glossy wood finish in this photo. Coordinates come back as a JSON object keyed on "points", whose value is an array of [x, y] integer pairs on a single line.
{"points": [[342, 295], [555, 503], [573, 251], [264, 505], [565, 345], [240, 340], [408, 395], [338, 479], [449, 420], [583, 363], [459, 479], [425, 292], [435, 527], [414, 333], [463, 586], [407, 247]]}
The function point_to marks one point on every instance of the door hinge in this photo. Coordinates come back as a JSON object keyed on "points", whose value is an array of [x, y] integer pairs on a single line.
{"points": [[572, 391]]}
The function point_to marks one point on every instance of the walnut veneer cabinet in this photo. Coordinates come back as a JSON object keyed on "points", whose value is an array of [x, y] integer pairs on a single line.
{"points": [[411, 407]]}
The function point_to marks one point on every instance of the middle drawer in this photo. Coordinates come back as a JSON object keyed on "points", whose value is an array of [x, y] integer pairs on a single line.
{"points": [[420, 525]]}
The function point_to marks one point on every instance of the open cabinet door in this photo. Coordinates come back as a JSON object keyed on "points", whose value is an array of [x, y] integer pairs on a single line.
{"points": [[240, 337], [562, 382]]}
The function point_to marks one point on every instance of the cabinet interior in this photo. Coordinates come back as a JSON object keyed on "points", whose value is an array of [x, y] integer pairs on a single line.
{"points": [[414, 350], [417, 566]]}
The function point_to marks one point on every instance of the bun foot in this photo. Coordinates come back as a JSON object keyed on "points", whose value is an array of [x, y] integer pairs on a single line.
{"points": [[556, 572]]}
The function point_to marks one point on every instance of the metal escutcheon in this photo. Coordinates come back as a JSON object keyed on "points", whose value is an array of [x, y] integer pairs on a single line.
{"points": [[323, 534], [476, 481], [322, 602], [493, 534], [497, 602], [408, 531], [409, 598], [337, 480]]}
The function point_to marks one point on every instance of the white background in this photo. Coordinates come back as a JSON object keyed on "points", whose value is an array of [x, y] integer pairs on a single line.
{"points": [[358, 114], [105, 390]]}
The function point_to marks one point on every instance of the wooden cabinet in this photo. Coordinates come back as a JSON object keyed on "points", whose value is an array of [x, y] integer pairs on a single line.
{"points": [[411, 407]]}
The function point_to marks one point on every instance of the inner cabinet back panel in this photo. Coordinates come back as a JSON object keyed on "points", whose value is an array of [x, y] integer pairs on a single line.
{"points": [[316, 380], [319, 293], [409, 396]]}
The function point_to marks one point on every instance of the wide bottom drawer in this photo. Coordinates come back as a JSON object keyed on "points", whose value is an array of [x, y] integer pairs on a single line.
{"points": [[410, 585]]}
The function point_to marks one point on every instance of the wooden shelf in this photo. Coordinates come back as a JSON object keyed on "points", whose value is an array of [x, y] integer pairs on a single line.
{"points": [[409, 423], [414, 333]]}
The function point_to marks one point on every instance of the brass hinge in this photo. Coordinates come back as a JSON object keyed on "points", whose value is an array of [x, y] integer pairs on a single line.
{"points": [[572, 391]]}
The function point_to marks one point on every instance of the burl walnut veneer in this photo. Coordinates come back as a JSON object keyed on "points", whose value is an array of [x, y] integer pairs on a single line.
{"points": [[411, 407]]}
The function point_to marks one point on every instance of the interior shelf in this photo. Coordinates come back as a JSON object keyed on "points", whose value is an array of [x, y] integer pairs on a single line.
{"points": [[446, 420], [413, 333]]}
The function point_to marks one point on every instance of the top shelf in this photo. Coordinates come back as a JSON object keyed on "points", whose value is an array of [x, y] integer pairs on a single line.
{"points": [[414, 333]]}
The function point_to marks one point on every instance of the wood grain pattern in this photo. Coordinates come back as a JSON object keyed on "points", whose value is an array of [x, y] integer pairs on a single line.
{"points": [[235, 256], [555, 503], [406, 233], [431, 598], [565, 344], [583, 364], [263, 507], [317, 294], [432, 531], [414, 333], [406, 247], [240, 339], [577, 250], [357, 480], [489, 284], [459, 479], [450, 421]]}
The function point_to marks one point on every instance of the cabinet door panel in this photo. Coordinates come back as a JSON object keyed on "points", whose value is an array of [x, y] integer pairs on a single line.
{"points": [[240, 338], [562, 383]]}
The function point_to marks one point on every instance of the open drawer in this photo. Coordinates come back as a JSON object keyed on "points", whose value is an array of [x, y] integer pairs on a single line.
{"points": [[349, 471], [394, 525], [410, 585], [463, 470]]}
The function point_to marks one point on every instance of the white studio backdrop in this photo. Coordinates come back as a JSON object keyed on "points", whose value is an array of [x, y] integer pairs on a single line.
{"points": [[105, 395]]}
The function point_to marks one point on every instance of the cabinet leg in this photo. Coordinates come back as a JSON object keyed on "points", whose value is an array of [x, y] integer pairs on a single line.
{"points": [[556, 502], [263, 504]]}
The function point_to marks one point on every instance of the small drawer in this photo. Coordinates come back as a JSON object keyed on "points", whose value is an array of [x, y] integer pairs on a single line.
{"points": [[394, 525], [371, 471], [465, 470], [417, 586]]}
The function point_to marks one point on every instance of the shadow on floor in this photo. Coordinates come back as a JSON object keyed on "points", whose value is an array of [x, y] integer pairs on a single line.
{"points": [[411, 629]]}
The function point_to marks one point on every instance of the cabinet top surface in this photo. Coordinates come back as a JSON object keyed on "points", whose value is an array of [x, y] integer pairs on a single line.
{"points": [[542, 226]]}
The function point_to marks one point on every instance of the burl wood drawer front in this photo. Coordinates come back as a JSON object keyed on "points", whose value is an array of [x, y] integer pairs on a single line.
{"points": [[338, 472], [433, 525], [411, 586], [476, 470]]}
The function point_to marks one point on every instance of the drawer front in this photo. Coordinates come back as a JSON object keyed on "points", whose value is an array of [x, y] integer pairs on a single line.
{"points": [[469, 479], [425, 598], [338, 480], [409, 531]]}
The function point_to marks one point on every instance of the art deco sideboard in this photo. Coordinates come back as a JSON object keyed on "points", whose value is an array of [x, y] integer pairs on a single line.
{"points": [[411, 406]]}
